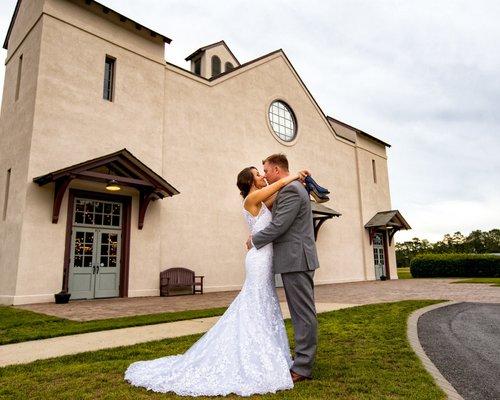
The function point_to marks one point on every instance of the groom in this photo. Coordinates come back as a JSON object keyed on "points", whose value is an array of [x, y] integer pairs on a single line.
{"points": [[294, 257]]}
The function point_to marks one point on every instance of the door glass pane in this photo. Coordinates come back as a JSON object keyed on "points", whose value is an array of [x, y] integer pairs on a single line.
{"points": [[113, 244], [87, 261], [78, 261], [112, 261], [79, 240], [107, 220], [116, 220], [104, 261], [107, 208]]}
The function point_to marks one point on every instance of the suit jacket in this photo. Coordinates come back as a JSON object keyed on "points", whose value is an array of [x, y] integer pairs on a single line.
{"points": [[291, 231]]}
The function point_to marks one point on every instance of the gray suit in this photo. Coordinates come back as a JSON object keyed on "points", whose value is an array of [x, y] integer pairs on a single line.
{"points": [[295, 258]]}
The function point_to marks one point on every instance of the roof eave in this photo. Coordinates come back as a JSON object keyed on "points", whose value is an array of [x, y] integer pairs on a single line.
{"points": [[358, 131], [122, 17]]}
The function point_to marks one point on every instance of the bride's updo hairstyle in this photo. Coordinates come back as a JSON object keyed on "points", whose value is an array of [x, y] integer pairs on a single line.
{"points": [[245, 181]]}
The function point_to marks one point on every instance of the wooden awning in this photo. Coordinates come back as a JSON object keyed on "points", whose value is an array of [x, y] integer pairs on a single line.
{"points": [[320, 214], [391, 221], [121, 166]]}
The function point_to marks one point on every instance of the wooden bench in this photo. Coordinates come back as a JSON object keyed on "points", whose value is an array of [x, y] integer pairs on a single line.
{"points": [[174, 278]]}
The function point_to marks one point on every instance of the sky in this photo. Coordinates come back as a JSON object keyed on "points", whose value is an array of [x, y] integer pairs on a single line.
{"points": [[423, 76]]}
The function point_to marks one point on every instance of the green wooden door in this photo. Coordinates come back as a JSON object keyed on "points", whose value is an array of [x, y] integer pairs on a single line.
{"points": [[95, 264]]}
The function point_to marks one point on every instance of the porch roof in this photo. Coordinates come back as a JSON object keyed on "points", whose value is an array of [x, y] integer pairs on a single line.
{"points": [[321, 211], [122, 167], [388, 219]]}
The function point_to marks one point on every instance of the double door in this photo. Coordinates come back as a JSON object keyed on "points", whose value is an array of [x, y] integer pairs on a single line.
{"points": [[94, 267]]}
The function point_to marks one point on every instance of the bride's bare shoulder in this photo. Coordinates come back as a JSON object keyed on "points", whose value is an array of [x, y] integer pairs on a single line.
{"points": [[251, 207]]}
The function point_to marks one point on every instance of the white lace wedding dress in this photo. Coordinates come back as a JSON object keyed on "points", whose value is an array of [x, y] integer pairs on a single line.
{"points": [[246, 352]]}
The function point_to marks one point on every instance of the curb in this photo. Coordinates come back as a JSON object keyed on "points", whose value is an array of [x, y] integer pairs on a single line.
{"points": [[412, 335]]}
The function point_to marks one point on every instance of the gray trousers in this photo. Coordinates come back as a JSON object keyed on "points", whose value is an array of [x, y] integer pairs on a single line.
{"points": [[299, 291]]}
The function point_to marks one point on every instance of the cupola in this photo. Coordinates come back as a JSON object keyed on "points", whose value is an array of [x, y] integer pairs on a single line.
{"points": [[212, 60]]}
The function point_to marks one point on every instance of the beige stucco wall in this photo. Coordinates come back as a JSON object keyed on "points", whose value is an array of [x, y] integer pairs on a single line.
{"points": [[72, 124], [211, 133], [16, 123], [197, 134], [375, 196]]}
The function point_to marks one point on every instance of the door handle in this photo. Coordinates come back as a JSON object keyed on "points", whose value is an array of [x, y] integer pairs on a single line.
{"points": [[93, 269], [97, 268]]}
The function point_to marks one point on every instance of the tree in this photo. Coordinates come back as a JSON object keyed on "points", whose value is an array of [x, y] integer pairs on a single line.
{"points": [[476, 242]]}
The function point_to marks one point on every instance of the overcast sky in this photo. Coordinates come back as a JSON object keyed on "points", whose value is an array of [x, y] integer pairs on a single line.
{"points": [[423, 76]]}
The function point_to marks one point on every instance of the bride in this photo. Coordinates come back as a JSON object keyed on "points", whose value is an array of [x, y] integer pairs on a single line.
{"points": [[246, 352]]}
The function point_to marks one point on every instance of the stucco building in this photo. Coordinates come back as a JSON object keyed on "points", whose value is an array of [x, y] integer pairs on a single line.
{"points": [[89, 103]]}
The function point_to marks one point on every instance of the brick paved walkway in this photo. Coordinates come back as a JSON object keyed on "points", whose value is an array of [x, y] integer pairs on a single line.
{"points": [[350, 293]]}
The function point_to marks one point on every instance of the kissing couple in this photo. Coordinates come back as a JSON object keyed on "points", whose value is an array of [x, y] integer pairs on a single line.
{"points": [[247, 351]]}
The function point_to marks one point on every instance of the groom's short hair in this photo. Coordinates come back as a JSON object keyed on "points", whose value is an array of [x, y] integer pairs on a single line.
{"points": [[277, 159]]}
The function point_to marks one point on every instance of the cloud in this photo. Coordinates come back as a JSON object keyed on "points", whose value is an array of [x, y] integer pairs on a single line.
{"points": [[422, 76]]}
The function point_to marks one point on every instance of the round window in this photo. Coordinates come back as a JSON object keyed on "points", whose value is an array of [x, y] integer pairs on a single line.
{"points": [[282, 121]]}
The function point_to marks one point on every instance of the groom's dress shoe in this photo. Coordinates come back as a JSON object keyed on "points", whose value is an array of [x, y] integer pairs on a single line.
{"points": [[297, 378]]}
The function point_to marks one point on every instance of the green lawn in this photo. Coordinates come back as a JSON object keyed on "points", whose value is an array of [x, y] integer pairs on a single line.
{"points": [[404, 273], [363, 353], [493, 281], [17, 325]]}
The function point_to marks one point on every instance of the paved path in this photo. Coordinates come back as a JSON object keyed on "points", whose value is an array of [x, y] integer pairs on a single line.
{"points": [[25, 352], [365, 292], [463, 342]]}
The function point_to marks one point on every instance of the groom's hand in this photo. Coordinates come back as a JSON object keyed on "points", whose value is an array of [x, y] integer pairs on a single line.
{"points": [[249, 242]]}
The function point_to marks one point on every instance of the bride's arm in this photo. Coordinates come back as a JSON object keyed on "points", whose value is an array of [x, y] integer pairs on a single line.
{"points": [[270, 201], [258, 196]]}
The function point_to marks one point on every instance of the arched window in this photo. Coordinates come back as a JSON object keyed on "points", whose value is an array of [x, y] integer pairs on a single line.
{"points": [[197, 66], [215, 65], [229, 66]]}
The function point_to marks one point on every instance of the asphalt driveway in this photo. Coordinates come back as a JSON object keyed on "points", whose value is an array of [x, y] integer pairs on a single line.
{"points": [[463, 342]]}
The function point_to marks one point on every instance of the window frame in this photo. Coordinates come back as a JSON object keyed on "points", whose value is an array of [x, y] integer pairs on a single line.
{"points": [[108, 91], [18, 80], [215, 58], [275, 134]]}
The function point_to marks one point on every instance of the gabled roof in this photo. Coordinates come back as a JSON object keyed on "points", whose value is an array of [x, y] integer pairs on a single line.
{"points": [[125, 167], [105, 10], [241, 66], [391, 218], [209, 46], [359, 131]]}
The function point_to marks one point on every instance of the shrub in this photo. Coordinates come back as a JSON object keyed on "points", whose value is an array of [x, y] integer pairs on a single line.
{"points": [[455, 265]]}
